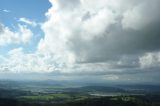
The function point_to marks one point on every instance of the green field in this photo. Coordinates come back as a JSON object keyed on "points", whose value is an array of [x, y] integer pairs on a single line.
{"points": [[55, 97]]}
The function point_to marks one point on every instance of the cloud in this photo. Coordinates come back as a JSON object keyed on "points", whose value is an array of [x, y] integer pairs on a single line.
{"points": [[137, 17], [150, 60], [27, 21], [23, 35], [6, 11], [108, 32], [102, 37], [19, 62]]}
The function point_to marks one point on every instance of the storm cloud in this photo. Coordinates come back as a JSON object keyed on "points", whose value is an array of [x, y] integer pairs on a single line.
{"points": [[104, 31]]}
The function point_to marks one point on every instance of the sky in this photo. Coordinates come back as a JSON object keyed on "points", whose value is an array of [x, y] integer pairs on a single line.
{"points": [[92, 40]]}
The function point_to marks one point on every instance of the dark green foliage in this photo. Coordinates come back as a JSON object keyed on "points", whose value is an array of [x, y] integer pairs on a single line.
{"points": [[49, 94], [100, 101]]}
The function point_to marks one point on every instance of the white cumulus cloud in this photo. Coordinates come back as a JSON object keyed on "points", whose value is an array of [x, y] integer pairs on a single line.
{"points": [[22, 35], [27, 21]]}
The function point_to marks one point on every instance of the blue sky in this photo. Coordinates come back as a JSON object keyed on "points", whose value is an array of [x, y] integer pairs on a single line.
{"points": [[31, 9], [12, 10]]}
